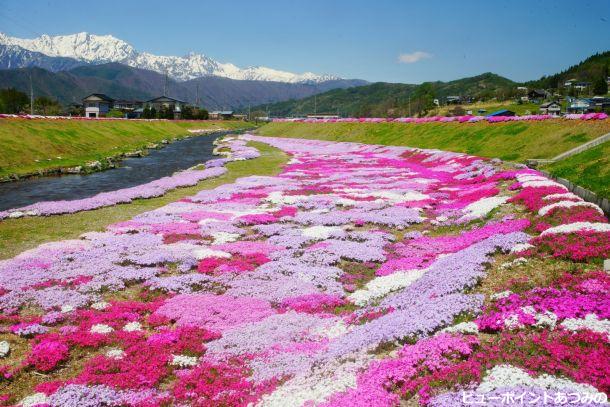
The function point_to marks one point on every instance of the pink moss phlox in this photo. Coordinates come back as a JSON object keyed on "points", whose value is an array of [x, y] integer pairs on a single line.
{"points": [[578, 246], [46, 354], [409, 372], [218, 384], [313, 303], [215, 312]]}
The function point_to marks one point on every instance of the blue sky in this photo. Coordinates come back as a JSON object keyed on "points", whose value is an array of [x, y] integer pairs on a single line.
{"points": [[394, 41]]}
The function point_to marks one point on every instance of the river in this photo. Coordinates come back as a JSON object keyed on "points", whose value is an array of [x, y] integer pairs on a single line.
{"points": [[173, 157]]}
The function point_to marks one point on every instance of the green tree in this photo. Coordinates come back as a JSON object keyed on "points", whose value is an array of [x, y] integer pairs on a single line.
{"points": [[255, 115], [202, 114], [188, 113], [424, 98], [115, 113], [600, 86], [46, 106], [13, 102]]}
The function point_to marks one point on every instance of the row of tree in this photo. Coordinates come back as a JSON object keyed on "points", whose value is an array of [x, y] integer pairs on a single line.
{"points": [[13, 101], [188, 113], [595, 69]]}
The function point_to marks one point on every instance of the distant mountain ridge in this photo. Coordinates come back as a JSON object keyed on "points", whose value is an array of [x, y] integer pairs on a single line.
{"points": [[399, 99], [124, 82], [378, 98], [86, 48]]}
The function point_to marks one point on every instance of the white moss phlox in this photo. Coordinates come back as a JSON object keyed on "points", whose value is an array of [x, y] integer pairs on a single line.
{"points": [[101, 329], [205, 252], [184, 361], [578, 227], [380, 286], [224, 237], [590, 322], [567, 204], [132, 327], [463, 327], [321, 232], [115, 353], [566, 195], [483, 206], [36, 399], [511, 376]]}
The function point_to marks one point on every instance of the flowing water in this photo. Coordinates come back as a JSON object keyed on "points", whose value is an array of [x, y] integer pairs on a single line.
{"points": [[176, 156]]}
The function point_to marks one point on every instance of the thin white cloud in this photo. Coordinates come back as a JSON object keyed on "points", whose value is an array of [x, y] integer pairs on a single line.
{"points": [[413, 57]]}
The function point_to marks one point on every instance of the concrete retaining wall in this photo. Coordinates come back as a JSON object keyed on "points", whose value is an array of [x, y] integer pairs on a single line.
{"points": [[583, 147], [535, 162], [585, 194]]}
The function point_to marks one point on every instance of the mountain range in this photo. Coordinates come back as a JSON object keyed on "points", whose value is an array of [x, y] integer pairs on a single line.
{"points": [[124, 82], [69, 67], [86, 48]]}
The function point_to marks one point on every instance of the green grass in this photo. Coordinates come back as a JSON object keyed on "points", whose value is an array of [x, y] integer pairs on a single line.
{"points": [[22, 142], [17, 235], [589, 169], [511, 141]]}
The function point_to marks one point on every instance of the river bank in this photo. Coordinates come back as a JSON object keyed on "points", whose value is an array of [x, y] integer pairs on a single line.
{"points": [[17, 235], [158, 163], [49, 147]]}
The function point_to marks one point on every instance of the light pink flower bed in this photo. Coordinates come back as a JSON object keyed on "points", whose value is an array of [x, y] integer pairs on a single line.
{"points": [[358, 276]]}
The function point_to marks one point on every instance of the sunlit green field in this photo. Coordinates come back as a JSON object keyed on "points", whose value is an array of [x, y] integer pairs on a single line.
{"points": [[31, 145], [589, 169]]}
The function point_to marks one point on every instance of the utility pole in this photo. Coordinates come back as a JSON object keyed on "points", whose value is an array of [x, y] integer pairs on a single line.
{"points": [[315, 104], [409, 105], [197, 97], [165, 90], [249, 114], [31, 95]]}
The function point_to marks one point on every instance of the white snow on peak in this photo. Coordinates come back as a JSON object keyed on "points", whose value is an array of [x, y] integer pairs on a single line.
{"points": [[99, 49]]}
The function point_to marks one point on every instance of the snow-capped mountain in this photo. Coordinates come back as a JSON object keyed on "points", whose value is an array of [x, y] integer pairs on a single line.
{"points": [[13, 57], [98, 49]]}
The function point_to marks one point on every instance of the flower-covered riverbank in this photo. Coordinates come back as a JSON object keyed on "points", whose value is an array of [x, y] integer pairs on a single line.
{"points": [[448, 119], [360, 275], [231, 149]]}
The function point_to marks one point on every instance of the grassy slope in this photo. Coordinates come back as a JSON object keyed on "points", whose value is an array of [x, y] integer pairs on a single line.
{"points": [[17, 235], [514, 141], [76, 142], [490, 107], [589, 169]]}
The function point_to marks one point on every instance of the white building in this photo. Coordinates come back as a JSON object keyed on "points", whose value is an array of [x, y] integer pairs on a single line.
{"points": [[97, 105], [552, 108]]}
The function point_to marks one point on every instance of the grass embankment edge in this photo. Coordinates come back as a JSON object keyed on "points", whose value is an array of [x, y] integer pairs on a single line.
{"points": [[17, 235], [39, 147]]}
